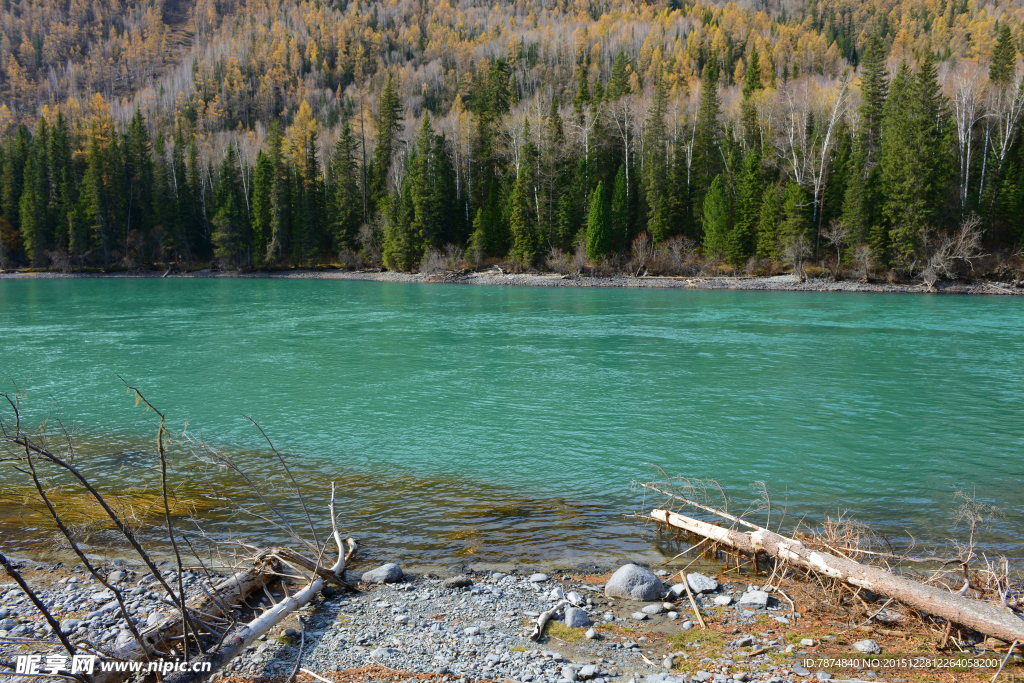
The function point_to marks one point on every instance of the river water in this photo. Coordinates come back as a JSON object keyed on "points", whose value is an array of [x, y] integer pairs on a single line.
{"points": [[505, 425]]}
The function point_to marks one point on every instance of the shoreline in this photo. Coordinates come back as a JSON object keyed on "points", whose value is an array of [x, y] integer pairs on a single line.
{"points": [[471, 625], [495, 278]]}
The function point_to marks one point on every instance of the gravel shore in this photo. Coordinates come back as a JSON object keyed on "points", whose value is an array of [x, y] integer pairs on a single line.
{"points": [[495, 278], [469, 628]]}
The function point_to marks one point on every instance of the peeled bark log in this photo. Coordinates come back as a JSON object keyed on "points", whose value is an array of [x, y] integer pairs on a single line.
{"points": [[983, 617], [228, 592]]}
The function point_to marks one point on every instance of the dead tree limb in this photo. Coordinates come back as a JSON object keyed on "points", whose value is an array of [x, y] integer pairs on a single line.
{"points": [[984, 617]]}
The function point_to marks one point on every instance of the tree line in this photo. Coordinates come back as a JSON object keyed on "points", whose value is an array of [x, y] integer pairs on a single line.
{"points": [[873, 163]]}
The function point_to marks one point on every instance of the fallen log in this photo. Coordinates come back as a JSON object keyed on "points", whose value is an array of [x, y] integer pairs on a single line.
{"points": [[242, 637], [984, 617], [545, 617], [227, 593]]}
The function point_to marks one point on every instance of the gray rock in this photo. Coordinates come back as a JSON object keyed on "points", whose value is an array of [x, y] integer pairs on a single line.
{"points": [[539, 577], [669, 678], [591, 634], [8, 624], [69, 625], [639, 616], [569, 674], [723, 600], [472, 631], [634, 583], [672, 616], [824, 676], [462, 581], [800, 670], [807, 642], [383, 651], [556, 593], [754, 599], [115, 577], [587, 672], [402, 619], [687, 625], [869, 647], [701, 584], [576, 618], [386, 573], [653, 609], [745, 641], [741, 677], [668, 662]]}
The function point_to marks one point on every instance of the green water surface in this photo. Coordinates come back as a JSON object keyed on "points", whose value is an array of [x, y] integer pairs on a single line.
{"points": [[508, 423]]}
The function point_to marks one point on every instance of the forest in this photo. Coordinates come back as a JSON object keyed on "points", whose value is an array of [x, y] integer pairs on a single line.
{"points": [[866, 137]]}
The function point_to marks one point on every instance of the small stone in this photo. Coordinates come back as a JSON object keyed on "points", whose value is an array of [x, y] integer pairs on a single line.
{"points": [[591, 634], [824, 676], [461, 581], [807, 642], [290, 632], [723, 600], [69, 625], [115, 577], [587, 672], [634, 582], [639, 616], [867, 647], [569, 674], [574, 598], [741, 677], [672, 616], [701, 584], [745, 641], [800, 670], [687, 625], [472, 631], [576, 618], [386, 573], [539, 577], [653, 609], [556, 593], [402, 619], [667, 663]]}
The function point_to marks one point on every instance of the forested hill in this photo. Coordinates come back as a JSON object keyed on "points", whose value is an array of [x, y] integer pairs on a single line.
{"points": [[544, 132]]}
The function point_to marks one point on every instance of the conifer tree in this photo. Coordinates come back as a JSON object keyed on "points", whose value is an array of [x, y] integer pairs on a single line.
{"points": [[620, 215], [598, 225], [748, 112], [389, 124], [522, 222], [230, 240], [717, 219], [346, 192], [707, 157], [655, 166], [263, 208], [748, 212], [35, 198], [768, 224]]}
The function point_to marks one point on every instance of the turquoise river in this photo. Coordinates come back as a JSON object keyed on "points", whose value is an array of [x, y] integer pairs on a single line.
{"points": [[506, 424]]}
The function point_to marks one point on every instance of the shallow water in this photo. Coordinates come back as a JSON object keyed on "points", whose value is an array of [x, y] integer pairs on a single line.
{"points": [[506, 424]]}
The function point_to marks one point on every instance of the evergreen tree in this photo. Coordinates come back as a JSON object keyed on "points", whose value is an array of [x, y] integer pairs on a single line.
{"points": [[796, 219], [717, 219], [263, 208], [659, 223], [389, 124], [706, 164], [230, 241], [620, 219], [748, 112], [346, 192], [598, 225], [619, 83], [748, 212], [35, 199], [522, 222], [768, 224], [1004, 57]]}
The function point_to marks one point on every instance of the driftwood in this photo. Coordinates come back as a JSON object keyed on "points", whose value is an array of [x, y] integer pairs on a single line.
{"points": [[240, 638], [984, 617], [544, 618], [226, 594]]}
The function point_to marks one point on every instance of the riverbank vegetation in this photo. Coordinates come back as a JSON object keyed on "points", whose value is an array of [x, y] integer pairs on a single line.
{"points": [[861, 140]]}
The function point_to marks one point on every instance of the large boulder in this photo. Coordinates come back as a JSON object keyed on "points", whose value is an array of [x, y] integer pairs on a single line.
{"points": [[633, 582], [386, 573]]}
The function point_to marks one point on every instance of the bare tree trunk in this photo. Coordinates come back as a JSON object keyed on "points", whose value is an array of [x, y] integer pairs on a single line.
{"points": [[984, 617]]}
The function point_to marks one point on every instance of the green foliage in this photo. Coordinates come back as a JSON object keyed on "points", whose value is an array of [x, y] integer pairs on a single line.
{"points": [[599, 236], [718, 219]]}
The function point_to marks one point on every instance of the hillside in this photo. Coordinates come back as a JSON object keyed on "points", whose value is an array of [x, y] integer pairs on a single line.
{"points": [[548, 133]]}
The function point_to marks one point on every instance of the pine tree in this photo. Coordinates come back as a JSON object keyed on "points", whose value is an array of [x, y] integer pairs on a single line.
{"points": [[1004, 57], [706, 164], [229, 229], [35, 198], [795, 215], [620, 219], [389, 124], [522, 222], [598, 225], [619, 83], [748, 112], [717, 219], [748, 212], [768, 224], [346, 192], [263, 208], [655, 166]]}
